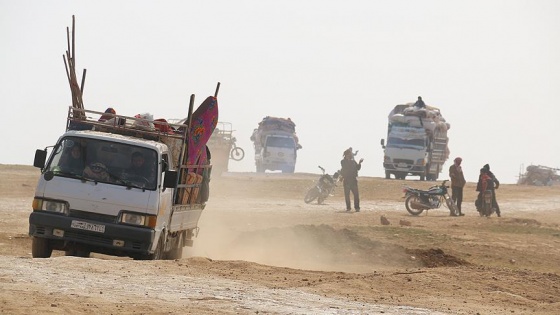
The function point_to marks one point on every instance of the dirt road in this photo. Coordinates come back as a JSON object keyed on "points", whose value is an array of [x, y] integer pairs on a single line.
{"points": [[262, 250]]}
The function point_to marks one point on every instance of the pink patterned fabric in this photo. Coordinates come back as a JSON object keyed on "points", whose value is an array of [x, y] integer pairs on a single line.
{"points": [[204, 121]]}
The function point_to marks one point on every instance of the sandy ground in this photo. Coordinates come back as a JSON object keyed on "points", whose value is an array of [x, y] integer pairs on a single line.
{"points": [[262, 250]]}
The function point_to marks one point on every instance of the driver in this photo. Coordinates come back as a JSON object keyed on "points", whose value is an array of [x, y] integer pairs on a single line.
{"points": [[139, 167]]}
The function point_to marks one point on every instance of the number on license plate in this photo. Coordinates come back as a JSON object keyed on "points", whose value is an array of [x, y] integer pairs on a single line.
{"points": [[81, 225]]}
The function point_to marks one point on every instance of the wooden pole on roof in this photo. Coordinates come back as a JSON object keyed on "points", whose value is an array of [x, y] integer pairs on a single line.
{"points": [[183, 156], [217, 90], [73, 42], [70, 66], [82, 85]]}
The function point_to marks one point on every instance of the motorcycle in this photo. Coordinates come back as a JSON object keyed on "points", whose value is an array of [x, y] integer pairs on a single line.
{"points": [[419, 200], [485, 206], [236, 153], [323, 188]]}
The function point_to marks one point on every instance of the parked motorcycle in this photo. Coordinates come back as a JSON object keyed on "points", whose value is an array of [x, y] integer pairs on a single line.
{"points": [[323, 188], [419, 200]]}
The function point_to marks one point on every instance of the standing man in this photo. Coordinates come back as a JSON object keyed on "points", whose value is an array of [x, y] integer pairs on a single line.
{"points": [[349, 174], [457, 183]]}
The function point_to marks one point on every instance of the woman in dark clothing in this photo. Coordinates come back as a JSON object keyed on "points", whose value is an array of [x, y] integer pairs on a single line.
{"points": [[349, 174], [493, 187]]}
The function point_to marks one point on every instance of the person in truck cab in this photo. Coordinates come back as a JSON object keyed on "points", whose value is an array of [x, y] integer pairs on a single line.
{"points": [[139, 167], [74, 160], [97, 171]]}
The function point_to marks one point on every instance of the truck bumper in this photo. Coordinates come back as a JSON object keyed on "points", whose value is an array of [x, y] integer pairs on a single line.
{"points": [[409, 169], [116, 239]]}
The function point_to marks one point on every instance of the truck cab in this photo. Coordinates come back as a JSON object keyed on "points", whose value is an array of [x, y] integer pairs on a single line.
{"points": [[279, 152], [117, 190], [406, 152]]}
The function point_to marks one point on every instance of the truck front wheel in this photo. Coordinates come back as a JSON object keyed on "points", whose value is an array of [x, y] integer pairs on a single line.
{"points": [[158, 253], [387, 175], [41, 248], [77, 252]]}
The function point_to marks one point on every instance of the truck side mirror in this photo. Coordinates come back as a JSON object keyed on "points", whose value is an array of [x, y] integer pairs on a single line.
{"points": [[383, 143], [170, 179], [40, 158]]}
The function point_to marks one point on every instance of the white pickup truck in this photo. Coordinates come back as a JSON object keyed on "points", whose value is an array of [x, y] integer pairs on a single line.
{"points": [[92, 197]]}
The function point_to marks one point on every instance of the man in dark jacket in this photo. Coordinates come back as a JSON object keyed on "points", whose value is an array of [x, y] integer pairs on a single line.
{"points": [[457, 183], [349, 174]]}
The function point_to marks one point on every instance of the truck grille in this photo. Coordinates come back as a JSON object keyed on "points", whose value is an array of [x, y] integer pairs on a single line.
{"points": [[93, 216], [407, 162]]}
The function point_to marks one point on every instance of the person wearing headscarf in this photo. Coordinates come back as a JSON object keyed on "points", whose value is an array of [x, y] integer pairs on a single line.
{"points": [[349, 174], [493, 185], [457, 183], [109, 112]]}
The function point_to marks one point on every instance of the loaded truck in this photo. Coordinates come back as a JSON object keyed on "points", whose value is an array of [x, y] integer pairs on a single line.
{"points": [[276, 145], [417, 142], [120, 185], [92, 196]]}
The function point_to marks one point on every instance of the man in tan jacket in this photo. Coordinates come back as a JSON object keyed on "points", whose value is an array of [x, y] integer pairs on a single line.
{"points": [[457, 183]]}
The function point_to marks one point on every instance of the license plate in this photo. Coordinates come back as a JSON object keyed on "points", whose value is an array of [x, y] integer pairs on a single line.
{"points": [[81, 225], [402, 165]]}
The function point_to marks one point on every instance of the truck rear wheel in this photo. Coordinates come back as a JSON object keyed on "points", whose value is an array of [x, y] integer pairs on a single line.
{"points": [[41, 248], [288, 169], [175, 253]]}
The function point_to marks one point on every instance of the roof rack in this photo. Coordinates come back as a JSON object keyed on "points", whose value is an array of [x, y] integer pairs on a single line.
{"points": [[139, 127]]}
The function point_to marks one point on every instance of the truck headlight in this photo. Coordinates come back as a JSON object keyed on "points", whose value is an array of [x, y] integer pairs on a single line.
{"points": [[50, 205], [134, 218], [420, 162], [387, 159]]}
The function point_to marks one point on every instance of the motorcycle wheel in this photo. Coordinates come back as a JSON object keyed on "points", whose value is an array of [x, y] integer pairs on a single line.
{"points": [[409, 208], [311, 195], [237, 154], [487, 204]]}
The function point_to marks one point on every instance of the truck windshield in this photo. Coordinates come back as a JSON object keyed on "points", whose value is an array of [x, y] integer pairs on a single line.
{"points": [[280, 142], [105, 161], [398, 142]]}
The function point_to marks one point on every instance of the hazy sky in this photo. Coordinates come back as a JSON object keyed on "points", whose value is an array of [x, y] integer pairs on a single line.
{"points": [[335, 67]]}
